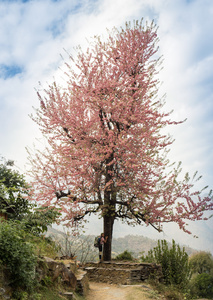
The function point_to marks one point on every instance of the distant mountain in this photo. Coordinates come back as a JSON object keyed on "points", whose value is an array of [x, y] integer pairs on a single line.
{"points": [[82, 246], [202, 229]]}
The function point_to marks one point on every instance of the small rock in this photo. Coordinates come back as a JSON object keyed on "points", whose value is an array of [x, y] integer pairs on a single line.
{"points": [[69, 295], [2, 291]]}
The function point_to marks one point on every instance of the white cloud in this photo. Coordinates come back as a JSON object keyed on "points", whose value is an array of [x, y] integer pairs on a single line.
{"points": [[186, 41]]}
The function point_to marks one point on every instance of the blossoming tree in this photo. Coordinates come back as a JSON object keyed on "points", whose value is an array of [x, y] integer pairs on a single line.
{"points": [[106, 151]]}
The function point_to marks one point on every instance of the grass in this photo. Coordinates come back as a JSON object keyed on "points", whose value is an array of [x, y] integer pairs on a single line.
{"points": [[139, 293], [169, 292], [49, 293]]}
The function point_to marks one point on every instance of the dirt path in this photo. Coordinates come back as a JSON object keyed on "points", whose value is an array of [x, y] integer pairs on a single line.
{"points": [[105, 291], [120, 292]]}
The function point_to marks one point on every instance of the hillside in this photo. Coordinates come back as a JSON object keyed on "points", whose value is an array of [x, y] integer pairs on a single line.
{"points": [[82, 246]]}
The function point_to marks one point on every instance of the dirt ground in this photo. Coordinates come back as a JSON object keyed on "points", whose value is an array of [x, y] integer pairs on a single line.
{"points": [[123, 292], [120, 292]]}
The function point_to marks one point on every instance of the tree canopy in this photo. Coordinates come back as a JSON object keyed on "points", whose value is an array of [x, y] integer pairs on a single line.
{"points": [[107, 153], [15, 204], [13, 191]]}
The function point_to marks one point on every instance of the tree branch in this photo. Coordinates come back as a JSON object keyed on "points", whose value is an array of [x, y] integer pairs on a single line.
{"points": [[134, 215], [68, 135], [87, 212], [61, 194]]}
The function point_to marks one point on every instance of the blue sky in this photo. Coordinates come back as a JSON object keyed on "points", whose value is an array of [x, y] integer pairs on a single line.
{"points": [[34, 34]]}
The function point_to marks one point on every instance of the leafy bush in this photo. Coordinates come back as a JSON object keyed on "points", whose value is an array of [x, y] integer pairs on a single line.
{"points": [[202, 285], [126, 255], [174, 262], [13, 191], [201, 262], [17, 255], [38, 220]]}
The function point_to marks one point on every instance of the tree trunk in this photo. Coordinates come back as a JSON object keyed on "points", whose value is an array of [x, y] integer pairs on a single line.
{"points": [[109, 209], [108, 229]]}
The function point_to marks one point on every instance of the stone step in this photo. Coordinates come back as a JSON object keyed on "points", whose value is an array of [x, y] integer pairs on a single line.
{"points": [[121, 273], [82, 287], [120, 265], [104, 275]]}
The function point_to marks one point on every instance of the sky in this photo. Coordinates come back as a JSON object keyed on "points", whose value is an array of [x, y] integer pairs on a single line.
{"points": [[35, 39]]}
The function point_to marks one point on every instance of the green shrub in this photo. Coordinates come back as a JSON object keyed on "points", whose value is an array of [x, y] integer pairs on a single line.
{"points": [[201, 285], [174, 262], [17, 256], [126, 255], [201, 262]]}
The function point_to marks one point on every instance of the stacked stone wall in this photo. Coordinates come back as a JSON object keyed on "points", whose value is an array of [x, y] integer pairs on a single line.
{"points": [[122, 272]]}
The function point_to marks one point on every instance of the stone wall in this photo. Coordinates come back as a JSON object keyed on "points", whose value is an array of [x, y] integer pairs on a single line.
{"points": [[67, 271], [82, 286], [58, 271], [122, 272]]}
